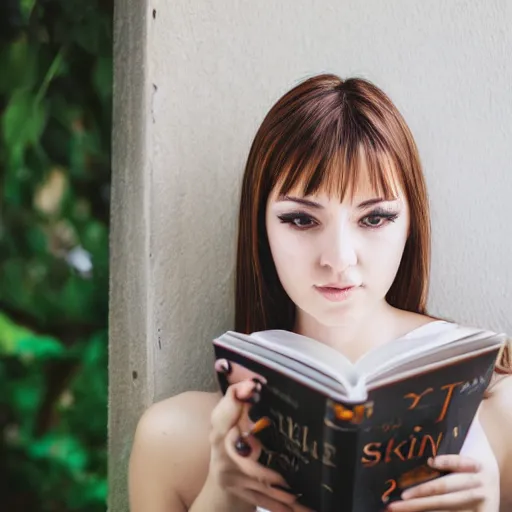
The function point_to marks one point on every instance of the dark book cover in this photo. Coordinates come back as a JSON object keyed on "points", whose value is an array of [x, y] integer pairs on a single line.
{"points": [[359, 457]]}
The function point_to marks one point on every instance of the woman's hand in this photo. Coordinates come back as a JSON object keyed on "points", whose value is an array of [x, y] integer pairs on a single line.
{"points": [[471, 486], [234, 452], [468, 487]]}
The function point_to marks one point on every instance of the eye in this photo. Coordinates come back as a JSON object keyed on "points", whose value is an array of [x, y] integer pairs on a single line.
{"points": [[373, 221], [298, 220], [378, 219]]}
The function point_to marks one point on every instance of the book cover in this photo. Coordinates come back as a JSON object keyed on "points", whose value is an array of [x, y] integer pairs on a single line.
{"points": [[357, 457]]}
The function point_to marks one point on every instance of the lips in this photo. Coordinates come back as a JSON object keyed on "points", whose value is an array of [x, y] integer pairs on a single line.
{"points": [[336, 292], [335, 286]]}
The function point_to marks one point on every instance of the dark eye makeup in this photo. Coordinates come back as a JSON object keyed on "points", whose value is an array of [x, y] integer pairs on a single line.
{"points": [[377, 218], [299, 220]]}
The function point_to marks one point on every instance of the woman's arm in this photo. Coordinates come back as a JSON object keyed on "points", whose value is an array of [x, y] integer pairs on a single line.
{"points": [[496, 419], [170, 456], [158, 460], [184, 458], [151, 467]]}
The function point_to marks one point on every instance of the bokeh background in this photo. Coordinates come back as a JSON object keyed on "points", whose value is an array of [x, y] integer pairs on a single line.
{"points": [[55, 108]]}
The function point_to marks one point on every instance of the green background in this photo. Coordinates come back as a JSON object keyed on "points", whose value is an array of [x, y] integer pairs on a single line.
{"points": [[55, 107]]}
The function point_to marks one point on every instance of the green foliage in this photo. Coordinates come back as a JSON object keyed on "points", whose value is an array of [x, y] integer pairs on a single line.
{"points": [[55, 118]]}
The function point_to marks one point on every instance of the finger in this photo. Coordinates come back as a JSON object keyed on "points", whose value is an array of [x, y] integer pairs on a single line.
{"points": [[235, 372], [249, 465], [465, 499], [275, 492], [456, 463], [444, 485], [261, 500], [229, 410]]}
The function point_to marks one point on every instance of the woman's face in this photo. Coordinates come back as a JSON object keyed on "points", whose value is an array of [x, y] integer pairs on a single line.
{"points": [[337, 260]]}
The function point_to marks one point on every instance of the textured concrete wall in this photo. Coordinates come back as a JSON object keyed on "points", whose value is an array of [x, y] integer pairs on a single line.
{"points": [[130, 367], [193, 81]]}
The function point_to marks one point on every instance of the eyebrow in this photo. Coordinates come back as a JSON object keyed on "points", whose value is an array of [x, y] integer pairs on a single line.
{"points": [[314, 204], [301, 200], [376, 200]]}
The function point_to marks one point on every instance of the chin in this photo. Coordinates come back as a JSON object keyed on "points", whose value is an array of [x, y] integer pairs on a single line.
{"points": [[336, 321], [338, 316]]}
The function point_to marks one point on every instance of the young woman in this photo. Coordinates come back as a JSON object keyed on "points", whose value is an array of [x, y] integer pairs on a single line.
{"points": [[334, 243]]}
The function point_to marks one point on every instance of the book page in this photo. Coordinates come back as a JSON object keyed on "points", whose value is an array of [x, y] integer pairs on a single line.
{"points": [[431, 343], [444, 350]]}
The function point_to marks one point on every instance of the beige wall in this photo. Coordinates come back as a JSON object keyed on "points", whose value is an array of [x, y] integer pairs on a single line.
{"points": [[192, 82]]}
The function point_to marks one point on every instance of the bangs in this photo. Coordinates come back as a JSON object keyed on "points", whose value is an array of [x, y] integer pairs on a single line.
{"points": [[340, 170]]}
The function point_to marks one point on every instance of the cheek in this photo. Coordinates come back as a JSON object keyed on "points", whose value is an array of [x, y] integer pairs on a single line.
{"points": [[282, 247], [384, 256], [290, 254]]}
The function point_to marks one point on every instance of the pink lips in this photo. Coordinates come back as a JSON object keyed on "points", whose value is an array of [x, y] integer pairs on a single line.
{"points": [[336, 293]]}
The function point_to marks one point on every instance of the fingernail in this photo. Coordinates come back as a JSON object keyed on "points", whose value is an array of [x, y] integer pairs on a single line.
{"points": [[223, 366], [260, 425], [431, 462], [242, 447], [407, 494], [255, 395], [258, 385], [253, 399]]}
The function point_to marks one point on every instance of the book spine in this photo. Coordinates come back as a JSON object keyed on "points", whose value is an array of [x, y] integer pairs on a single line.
{"points": [[342, 424]]}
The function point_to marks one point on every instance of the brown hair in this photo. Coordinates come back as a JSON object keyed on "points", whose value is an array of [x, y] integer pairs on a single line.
{"points": [[317, 136]]}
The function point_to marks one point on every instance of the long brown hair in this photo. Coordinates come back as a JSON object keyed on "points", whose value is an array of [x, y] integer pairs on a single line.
{"points": [[317, 136]]}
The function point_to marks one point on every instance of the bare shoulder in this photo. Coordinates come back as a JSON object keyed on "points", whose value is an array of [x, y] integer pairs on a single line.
{"points": [[191, 409], [496, 418], [496, 415], [170, 454], [408, 321]]}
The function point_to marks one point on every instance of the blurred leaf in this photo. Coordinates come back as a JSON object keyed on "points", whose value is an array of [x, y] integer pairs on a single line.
{"points": [[63, 448], [26, 397], [102, 78], [23, 120], [19, 341], [37, 239], [26, 8], [19, 65]]}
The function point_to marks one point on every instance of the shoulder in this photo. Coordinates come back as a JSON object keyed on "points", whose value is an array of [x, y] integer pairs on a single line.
{"points": [[496, 418], [409, 323], [170, 454], [190, 409], [498, 402]]}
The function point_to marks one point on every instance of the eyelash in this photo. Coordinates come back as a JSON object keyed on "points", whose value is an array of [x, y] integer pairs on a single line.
{"points": [[292, 217]]}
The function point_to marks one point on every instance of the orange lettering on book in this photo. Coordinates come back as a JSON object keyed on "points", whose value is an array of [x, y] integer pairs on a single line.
{"points": [[416, 398], [371, 450], [449, 395], [388, 491], [434, 445]]}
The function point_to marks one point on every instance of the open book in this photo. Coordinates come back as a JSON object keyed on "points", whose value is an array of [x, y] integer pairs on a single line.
{"points": [[328, 370], [340, 429]]}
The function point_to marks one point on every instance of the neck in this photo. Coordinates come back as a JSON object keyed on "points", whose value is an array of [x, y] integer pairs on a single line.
{"points": [[353, 336]]}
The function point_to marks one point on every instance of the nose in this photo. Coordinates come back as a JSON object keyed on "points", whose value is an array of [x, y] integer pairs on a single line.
{"points": [[339, 252]]}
